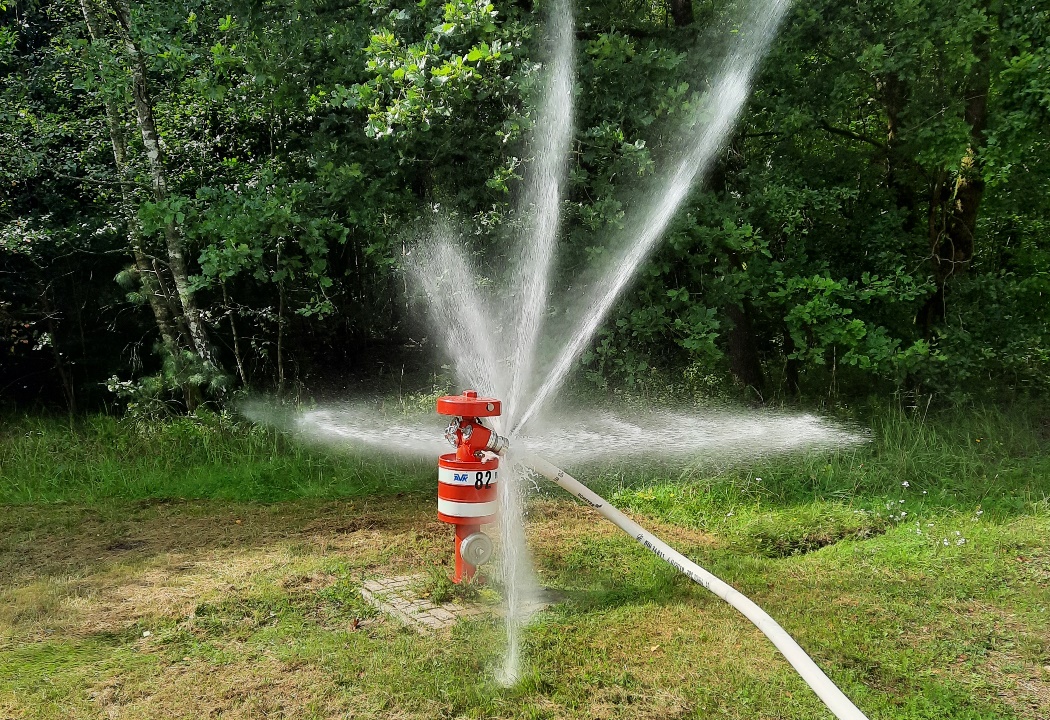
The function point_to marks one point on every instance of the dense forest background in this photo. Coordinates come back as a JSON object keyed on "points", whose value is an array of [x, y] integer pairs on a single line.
{"points": [[200, 198]]}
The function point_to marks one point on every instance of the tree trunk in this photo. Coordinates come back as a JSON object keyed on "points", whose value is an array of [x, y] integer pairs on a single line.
{"points": [[894, 93], [792, 366], [151, 140], [64, 373], [153, 285], [236, 340], [954, 204], [682, 12], [744, 362], [280, 339], [152, 280]]}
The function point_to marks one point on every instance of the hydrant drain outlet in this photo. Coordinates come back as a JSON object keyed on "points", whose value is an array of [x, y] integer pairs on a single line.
{"points": [[476, 548]]}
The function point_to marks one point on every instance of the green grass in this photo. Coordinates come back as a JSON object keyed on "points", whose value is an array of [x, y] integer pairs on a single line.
{"points": [[119, 598], [994, 461], [102, 458]]}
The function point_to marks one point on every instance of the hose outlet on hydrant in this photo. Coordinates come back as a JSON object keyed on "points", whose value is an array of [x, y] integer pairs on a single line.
{"points": [[468, 477]]}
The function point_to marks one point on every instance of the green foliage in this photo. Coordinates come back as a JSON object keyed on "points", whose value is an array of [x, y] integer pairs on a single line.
{"points": [[817, 224], [438, 586], [268, 236], [155, 397], [304, 144], [819, 317], [461, 58]]}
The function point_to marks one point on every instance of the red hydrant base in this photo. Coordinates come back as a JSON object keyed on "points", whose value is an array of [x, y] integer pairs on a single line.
{"points": [[464, 570]]}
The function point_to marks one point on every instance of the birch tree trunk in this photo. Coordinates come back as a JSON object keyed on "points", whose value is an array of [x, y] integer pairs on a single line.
{"points": [[153, 283], [151, 140]]}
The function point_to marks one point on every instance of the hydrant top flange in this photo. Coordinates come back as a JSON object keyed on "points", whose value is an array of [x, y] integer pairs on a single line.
{"points": [[468, 405]]}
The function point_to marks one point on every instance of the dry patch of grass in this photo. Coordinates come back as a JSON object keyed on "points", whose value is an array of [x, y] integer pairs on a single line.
{"points": [[1022, 685], [84, 578], [262, 687], [1014, 661], [555, 523], [73, 577]]}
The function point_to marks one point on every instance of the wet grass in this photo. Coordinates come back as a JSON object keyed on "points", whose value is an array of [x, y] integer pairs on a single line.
{"points": [[246, 604]]}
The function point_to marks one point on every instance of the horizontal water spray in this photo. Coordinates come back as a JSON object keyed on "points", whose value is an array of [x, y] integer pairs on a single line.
{"points": [[476, 445]]}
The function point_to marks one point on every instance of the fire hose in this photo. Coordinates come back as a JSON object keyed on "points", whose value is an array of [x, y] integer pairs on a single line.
{"points": [[826, 690], [467, 480]]}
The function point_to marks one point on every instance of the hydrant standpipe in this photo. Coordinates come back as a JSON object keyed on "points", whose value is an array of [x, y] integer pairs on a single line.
{"points": [[468, 477]]}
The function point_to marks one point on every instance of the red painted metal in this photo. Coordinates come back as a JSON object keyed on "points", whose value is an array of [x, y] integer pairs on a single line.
{"points": [[469, 405], [464, 570], [471, 486], [467, 494], [468, 478]]}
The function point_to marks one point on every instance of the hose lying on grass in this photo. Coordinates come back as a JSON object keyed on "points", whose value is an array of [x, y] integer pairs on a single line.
{"points": [[826, 690]]}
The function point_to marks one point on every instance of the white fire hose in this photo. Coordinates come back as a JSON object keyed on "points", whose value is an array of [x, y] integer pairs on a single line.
{"points": [[826, 690]]}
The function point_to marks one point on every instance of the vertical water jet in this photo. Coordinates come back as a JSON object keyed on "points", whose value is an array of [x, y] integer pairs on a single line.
{"points": [[706, 132]]}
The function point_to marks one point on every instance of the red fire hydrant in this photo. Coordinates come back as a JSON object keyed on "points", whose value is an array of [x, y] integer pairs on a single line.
{"points": [[467, 478]]}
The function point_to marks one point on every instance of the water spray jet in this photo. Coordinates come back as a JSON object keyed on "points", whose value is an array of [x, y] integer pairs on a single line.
{"points": [[468, 478]]}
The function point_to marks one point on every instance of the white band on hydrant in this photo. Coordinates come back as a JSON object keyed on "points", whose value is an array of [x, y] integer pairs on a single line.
{"points": [[467, 477], [466, 509]]}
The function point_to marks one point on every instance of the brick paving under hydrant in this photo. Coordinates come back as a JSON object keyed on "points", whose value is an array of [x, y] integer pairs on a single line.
{"points": [[395, 596]]}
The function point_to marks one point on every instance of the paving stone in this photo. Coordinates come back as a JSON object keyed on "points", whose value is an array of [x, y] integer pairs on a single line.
{"points": [[395, 597]]}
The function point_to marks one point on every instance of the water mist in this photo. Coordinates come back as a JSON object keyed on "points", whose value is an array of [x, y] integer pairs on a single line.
{"points": [[494, 340]]}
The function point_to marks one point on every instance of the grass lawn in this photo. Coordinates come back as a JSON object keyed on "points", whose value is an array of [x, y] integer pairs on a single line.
{"points": [[186, 573]]}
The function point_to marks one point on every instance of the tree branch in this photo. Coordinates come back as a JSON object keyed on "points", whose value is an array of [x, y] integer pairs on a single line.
{"points": [[86, 179], [766, 133], [852, 135]]}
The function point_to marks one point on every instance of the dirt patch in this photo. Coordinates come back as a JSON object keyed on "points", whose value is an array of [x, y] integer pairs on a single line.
{"points": [[798, 531], [118, 545], [1023, 686], [309, 582], [644, 704]]}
